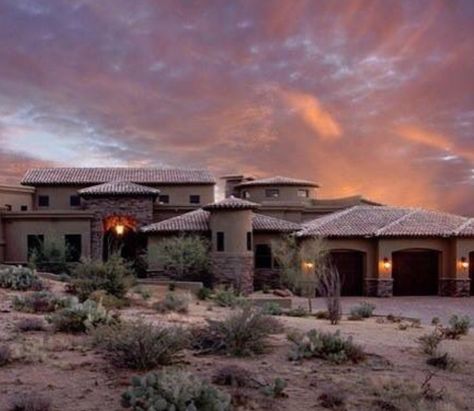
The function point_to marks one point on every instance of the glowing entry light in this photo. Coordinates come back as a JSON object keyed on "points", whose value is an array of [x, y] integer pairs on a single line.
{"points": [[464, 263], [119, 229], [309, 265], [386, 263]]}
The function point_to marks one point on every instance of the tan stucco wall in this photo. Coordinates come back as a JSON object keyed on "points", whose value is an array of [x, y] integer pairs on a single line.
{"points": [[2, 240], [287, 193], [389, 246], [16, 232], [234, 224], [16, 197], [463, 247], [59, 197]]}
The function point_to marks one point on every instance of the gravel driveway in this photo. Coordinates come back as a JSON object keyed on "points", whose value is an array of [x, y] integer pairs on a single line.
{"points": [[424, 308]]}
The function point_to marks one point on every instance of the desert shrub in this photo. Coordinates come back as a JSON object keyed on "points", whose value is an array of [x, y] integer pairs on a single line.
{"points": [[174, 390], [6, 355], [31, 324], [429, 343], [328, 346], [276, 389], [114, 276], [79, 317], [458, 326], [20, 278], [242, 333], [394, 318], [332, 398], [322, 315], [173, 302], [109, 301], [272, 308], [363, 310], [226, 298], [435, 321], [138, 345], [297, 312], [234, 376], [52, 256], [144, 292], [442, 361], [204, 293], [39, 302], [30, 401]]}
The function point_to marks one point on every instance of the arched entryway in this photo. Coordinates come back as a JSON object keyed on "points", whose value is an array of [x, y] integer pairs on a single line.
{"points": [[351, 267], [471, 271], [120, 237], [416, 272]]}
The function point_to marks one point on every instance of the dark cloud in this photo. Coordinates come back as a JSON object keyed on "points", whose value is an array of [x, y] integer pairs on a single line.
{"points": [[363, 96]]}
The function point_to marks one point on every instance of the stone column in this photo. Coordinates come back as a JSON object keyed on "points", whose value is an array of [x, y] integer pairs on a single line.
{"points": [[458, 284], [381, 285]]}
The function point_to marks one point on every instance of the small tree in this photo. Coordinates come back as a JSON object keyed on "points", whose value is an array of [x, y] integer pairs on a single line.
{"points": [[182, 256], [329, 286], [53, 255]]}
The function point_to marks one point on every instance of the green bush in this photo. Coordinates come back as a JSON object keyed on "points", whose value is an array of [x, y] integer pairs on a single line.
{"points": [[30, 324], [80, 317], [276, 389], [204, 293], [174, 390], [110, 302], [327, 346], [140, 346], [113, 276], [363, 310], [53, 256], [272, 308], [243, 333], [458, 326], [442, 361], [20, 278], [429, 343], [6, 355], [322, 315], [30, 401], [226, 298], [39, 302], [297, 312], [173, 302]]}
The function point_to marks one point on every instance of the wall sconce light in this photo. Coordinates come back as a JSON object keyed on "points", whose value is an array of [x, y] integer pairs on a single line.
{"points": [[464, 263], [386, 263], [119, 229], [309, 265]]}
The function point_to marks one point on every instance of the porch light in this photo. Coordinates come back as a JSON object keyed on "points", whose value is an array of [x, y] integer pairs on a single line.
{"points": [[464, 263], [309, 265], [386, 263], [119, 229]]}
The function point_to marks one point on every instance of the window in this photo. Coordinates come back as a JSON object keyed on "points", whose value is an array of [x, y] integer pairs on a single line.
{"points": [[75, 201], [303, 193], [263, 256], [43, 201], [245, 194], [8, 207], [164, 199], [272, 193], [34, 243], [195, 199], [73, 247], [24, 208], [249, 241], [220, 241]]}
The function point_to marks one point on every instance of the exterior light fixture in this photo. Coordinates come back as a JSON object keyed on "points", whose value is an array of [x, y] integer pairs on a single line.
{"points": [[386, 263], [119, 229], [464, 263], [309, 265]]}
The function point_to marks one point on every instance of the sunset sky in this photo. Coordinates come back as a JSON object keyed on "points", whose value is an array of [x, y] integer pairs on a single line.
{"points": [[369, 97]]}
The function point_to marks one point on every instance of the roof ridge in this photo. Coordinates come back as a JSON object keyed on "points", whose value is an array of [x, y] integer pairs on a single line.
{"points": [[466, 223], [396, 221]]}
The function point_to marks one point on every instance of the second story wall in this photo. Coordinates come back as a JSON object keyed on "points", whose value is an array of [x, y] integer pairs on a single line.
{"points": [[273, 193], [16, 198]]}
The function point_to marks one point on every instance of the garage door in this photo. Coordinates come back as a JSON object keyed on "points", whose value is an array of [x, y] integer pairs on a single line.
{"points": [[471, 271], [415, 272], [350, 265]]}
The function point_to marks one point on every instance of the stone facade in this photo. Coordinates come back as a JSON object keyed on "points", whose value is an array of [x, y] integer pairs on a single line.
{"points": [[235, 269], [378, 287], [455, 287], [138, 208], [268, 277]]}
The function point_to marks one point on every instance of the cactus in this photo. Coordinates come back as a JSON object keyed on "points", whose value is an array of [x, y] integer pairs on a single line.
{"points": [[20, 278], [174, 390]]}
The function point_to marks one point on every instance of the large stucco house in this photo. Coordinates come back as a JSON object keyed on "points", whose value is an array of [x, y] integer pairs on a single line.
{"points": [[379, 250]]}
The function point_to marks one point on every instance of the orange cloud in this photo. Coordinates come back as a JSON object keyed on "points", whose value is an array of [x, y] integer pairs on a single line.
{"points": [[313, 114]]}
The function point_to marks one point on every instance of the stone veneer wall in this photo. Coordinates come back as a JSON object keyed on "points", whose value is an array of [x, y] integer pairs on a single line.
{"points": [[235, 269], [268, 277], [378, 287], [455, 287], [139, 208]]}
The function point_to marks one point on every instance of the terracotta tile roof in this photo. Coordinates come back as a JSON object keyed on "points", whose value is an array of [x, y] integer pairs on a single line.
{"points": [[466, 229], [232, 203], [277, 181], [119, 188], [384, 221], [99, 175], [262, 222], [194, 221], [198, 221]]}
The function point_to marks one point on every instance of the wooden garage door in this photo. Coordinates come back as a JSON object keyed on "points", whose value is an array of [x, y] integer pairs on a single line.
{"points": [[415, 272], [471, 271], [350, 265]]}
